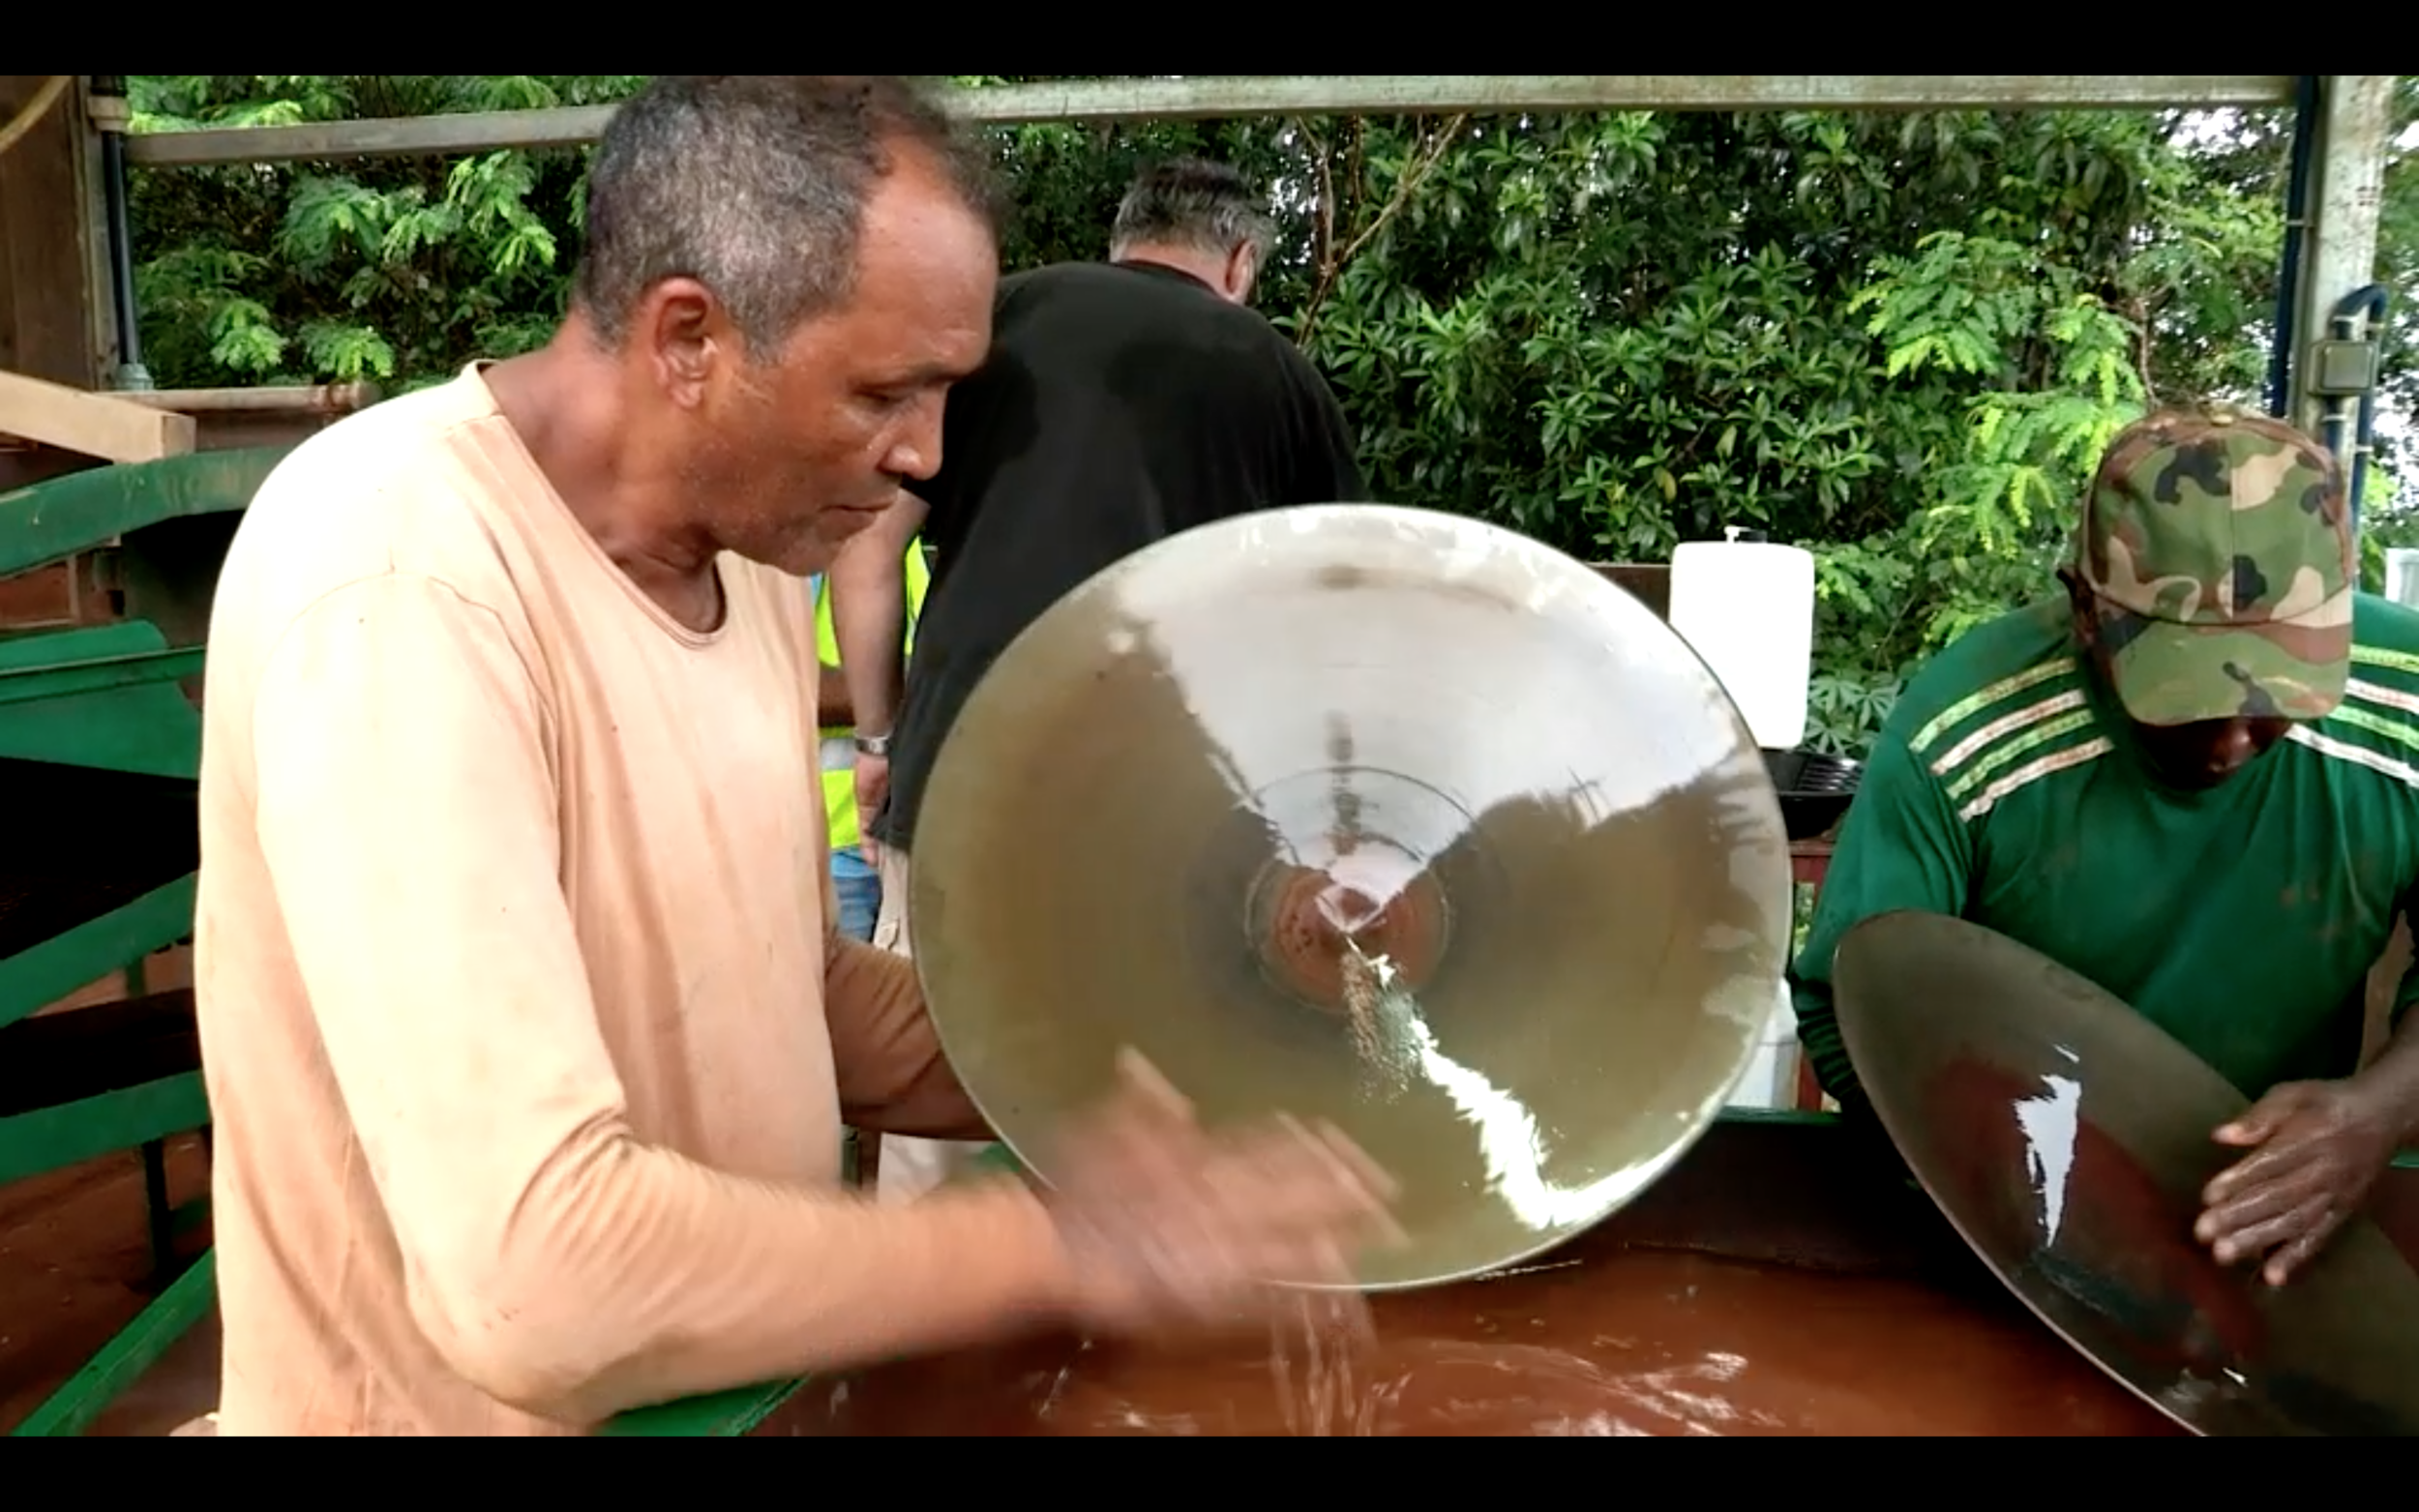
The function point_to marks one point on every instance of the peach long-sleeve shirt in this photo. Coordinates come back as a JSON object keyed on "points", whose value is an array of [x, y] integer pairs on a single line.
{"points": [[527, 1041]]}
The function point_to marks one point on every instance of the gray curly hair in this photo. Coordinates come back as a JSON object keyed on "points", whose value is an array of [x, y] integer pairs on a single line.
{"points": [[1205, 206], [756, 186]]}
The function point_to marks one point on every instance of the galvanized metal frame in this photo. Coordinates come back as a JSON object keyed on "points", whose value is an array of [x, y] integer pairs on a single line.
{"points": [[2342, 244], [1236, 96], [2354, 124]]}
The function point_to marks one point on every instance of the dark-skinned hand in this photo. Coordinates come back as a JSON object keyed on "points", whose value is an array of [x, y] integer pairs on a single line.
{"points": [[2318, 1149]]}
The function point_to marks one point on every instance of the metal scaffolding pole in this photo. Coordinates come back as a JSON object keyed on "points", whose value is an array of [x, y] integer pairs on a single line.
{"points": [[2335, 373], [1237, 97]]}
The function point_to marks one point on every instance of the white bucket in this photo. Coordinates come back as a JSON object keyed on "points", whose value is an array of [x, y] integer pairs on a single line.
{"points": [[2402, 577], [1770, 1084], [1748, 608]]}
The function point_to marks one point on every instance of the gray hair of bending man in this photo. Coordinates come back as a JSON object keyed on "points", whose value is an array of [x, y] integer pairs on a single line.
{"points": [[756, 186], [1205, 207]]}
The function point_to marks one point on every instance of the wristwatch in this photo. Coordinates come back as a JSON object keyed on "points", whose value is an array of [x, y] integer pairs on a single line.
{"points": [[876, 746]]}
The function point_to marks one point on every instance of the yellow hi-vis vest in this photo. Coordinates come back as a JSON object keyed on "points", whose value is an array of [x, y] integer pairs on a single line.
{"points": [[839, 754]]}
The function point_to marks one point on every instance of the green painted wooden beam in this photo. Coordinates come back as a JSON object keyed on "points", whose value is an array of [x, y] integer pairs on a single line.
{"points": [[32, 980], [145, 731], [114, 1371], [107, 697], [52, 521], [50, 648], [70, 679], [123, 713], [59, 1139], [733, 1415]]}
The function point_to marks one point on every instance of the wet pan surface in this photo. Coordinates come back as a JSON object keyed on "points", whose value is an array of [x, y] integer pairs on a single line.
{"points": [[2069, 1139]]}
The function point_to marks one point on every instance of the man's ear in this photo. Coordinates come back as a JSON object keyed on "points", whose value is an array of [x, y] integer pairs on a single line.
{"points": [[686, 333], [1242, 273]]}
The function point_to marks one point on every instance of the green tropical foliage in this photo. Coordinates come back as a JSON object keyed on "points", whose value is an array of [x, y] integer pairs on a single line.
{"points": [[1899, 340]]}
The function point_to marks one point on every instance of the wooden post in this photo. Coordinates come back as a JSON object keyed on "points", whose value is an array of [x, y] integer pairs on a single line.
{"points": [[54, 298], [48, 261], [55, 324]]}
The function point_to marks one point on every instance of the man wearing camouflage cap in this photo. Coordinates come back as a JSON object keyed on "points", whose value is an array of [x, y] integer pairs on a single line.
{"points": [[2193, 778]]}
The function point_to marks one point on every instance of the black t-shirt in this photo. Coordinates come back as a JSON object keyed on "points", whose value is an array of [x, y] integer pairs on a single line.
{"points": [[1121, 405]]}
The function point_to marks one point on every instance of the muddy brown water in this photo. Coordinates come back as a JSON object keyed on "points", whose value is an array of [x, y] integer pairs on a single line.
{"points": [[1624, 1343], [1775, 1285], [1770, 1286]]}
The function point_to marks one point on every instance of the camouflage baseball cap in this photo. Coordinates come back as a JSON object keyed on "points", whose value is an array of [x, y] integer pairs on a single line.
{"points": [[2219, 544]]}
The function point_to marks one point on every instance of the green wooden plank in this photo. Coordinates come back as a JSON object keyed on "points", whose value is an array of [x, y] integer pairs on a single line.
{"points": [[1782, 1117], [32, 980], [115, 1370], [1000, 1159], [147, 731], [52, 521], [107, 697], [142, 731], [70, 679], [733, 1415], [128, 637], [58, 1138]]}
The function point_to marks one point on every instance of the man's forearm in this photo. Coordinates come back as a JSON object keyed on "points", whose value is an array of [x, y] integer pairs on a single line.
{"points": [[1904, 849], [633, 1278], [869, 615], [835, 708], [1819, 1038], [869, 620], [949, 1114], [893, 1076]]}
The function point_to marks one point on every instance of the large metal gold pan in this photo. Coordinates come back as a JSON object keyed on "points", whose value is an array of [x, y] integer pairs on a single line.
{"points": [[1172, 799], [2069, 1139]]}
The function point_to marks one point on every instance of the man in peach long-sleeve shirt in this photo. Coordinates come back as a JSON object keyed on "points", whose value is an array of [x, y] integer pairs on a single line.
{"points": [[528, 1037]]}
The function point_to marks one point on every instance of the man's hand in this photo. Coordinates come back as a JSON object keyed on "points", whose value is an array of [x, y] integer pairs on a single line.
{"points": [[1167, 1226], [873, 791], [2320, 1148]]}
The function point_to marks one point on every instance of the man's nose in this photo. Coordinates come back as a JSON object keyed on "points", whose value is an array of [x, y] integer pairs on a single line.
{"points": [[916, 453], [2237, 744]]}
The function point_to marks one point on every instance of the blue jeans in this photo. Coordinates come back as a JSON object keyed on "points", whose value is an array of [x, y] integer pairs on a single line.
{"points": [[859, 887]]}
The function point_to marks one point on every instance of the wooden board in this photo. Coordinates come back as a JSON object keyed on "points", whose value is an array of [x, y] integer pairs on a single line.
{"points": [[45, 600], [1648, 585], [102, 425]]}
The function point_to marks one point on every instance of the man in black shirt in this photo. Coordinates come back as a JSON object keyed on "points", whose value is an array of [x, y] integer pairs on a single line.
{"points": [[1123, 404]]}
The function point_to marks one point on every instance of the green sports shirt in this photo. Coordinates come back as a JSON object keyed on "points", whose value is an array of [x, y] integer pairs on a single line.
{"points": [[2006, 790]]}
